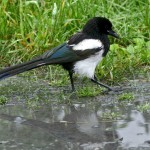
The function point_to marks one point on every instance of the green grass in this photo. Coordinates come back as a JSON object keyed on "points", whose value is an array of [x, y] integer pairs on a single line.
{"points": [[3, 100], [126, 97], [145, 107], [28, 28], [89, 91]]}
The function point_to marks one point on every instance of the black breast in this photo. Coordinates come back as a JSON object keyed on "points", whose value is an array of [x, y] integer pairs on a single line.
{"points": [[104, 39], [68, 66]]}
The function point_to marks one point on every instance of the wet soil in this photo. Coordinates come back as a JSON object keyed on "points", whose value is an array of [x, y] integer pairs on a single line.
{"points": [[39, 117]]}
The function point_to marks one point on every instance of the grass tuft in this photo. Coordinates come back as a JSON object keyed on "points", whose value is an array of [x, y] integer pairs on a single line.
{"points": [[3, 100], [126, 97], [89, 91]]}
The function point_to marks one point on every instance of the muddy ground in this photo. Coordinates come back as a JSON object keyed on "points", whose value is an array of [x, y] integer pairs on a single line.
{"points": [[39, 117]]}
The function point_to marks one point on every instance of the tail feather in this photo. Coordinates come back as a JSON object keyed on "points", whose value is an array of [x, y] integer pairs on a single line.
{"points": [[11, 71]]}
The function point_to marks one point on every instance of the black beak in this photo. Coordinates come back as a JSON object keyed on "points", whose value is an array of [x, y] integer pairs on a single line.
{"points": [[113, 33]]}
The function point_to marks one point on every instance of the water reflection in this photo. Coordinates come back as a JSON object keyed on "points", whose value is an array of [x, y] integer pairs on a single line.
{"points": [[76, 127], [136, 132]]}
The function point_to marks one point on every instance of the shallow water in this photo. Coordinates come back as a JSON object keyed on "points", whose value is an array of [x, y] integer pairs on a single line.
{"points": [[98, 123]]}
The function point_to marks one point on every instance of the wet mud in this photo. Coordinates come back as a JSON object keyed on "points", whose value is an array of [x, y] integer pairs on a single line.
{"points": [[103, 122]]}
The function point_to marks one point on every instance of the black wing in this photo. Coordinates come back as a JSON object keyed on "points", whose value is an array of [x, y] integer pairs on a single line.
{"points": [[64, 53]]}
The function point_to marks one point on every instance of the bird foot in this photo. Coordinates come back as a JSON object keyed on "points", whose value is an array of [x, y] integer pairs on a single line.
{"points": [[115, 90]]}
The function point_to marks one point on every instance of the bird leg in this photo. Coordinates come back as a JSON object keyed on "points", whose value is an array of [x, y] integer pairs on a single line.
{"points": [[71, 80], [101, 84]]}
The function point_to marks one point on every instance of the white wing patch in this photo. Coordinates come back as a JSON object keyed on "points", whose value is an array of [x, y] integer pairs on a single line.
{"points": [[88, 44]]}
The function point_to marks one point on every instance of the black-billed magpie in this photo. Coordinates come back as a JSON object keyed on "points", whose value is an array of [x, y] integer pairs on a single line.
{"points": [[80, 54]]}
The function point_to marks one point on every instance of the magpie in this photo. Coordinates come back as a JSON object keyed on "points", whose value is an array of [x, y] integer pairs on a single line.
{"points": [[80, 54]]}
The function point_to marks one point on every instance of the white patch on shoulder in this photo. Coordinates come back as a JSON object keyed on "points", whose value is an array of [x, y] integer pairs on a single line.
{"points": [[88, 44], [87, 66], [72, 45]]}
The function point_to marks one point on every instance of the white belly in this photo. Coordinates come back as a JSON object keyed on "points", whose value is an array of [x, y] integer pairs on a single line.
{"points": [[87, 66]]}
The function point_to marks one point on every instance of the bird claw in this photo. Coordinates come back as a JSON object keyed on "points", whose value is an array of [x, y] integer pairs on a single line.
{"points": [[113, 90]]}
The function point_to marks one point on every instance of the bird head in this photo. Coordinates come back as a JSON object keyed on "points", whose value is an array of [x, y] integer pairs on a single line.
{"points": [[99, 25]]}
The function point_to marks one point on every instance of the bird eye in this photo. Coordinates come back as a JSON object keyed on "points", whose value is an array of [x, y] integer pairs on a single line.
{"points": [[106, 27]]}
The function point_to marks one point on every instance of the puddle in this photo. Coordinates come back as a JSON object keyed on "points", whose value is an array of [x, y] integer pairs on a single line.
{"points": [[98, 123]]}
